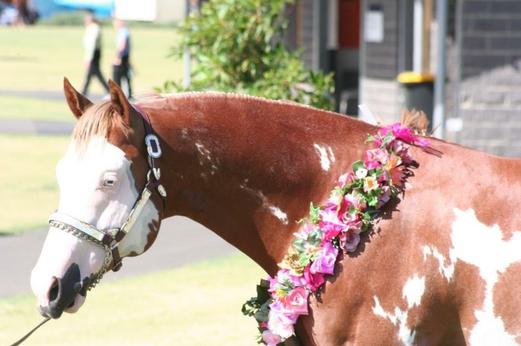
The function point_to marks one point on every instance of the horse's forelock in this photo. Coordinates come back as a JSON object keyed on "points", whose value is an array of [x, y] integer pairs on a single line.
{"points": [[99, 120]]}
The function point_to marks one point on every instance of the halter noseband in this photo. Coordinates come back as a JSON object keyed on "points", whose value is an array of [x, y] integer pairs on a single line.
{"points": [[110, 239]]}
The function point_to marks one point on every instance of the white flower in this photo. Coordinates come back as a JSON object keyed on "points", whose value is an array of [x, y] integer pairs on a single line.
{"points": [[361, 173], [280, 325]]}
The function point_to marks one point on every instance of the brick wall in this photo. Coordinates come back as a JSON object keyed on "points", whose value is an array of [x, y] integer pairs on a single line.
{"points": [[490, 87]]}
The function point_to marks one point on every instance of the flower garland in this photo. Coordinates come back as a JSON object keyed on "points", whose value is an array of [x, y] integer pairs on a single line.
{"points": [[352, 208]]}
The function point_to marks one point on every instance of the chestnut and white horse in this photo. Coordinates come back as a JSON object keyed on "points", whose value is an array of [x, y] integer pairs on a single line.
{"points": [[443, 266]]}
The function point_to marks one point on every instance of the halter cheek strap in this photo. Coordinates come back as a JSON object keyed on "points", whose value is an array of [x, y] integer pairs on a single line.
{"points": [[110, 239]]}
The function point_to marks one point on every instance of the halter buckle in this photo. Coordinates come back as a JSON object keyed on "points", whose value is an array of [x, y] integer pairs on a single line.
{"points": [[153, 146]]}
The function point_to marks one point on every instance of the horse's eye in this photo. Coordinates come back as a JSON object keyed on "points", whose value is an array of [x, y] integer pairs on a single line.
{"points": [[109, 182]]}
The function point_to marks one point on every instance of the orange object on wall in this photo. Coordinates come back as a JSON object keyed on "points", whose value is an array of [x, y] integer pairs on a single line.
{"points": [[349, 23]]}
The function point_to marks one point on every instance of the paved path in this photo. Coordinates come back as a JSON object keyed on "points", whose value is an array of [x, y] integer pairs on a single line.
{"points": [[35, 127], [56, 95], [180, 241]]}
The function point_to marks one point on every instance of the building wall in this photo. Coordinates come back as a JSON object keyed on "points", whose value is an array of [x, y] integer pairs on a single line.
{"points": [[378, 88], [490, 86], [306, 39]]}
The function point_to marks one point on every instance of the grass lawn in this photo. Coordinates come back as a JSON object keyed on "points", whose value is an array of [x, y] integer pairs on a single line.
{"points": [[195, 305], [28, 189], [38, 57], [22, 108]]}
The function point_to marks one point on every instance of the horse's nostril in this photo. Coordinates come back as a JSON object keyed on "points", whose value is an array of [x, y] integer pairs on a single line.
{"points": [[53, 292]]}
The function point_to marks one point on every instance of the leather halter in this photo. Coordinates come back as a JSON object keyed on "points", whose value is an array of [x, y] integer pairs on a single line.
{"points": [[110, 239]]}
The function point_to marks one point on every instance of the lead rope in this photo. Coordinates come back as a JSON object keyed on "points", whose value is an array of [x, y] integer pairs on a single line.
{"points": [[45, 320]]}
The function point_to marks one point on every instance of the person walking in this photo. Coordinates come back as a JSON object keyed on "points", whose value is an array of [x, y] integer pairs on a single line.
{"points": [[92, 45], [121, 66]]}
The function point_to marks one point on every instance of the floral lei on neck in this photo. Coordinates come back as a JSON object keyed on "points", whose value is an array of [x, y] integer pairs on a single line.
{"points": [[352, 208]]}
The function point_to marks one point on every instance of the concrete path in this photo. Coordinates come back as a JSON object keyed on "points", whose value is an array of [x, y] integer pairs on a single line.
{"points": [[53, 95], [35, 127], [180, 241]]}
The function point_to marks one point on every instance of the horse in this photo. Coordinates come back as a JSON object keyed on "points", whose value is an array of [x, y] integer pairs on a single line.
{"points": [[441, 267]]}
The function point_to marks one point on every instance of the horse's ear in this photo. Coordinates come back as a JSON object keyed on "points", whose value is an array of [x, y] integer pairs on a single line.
{"points": [[119, 101], [76, 101]]}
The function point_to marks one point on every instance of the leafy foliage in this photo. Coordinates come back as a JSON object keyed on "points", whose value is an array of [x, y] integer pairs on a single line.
{"points": [[237, 46]]}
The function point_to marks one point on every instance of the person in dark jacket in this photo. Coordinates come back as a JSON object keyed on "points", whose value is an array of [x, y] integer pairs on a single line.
{"points": [[121, 66]]}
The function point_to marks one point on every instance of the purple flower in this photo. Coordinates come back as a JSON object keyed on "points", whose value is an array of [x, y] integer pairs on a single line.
{"points": [[351, 242], [325, 260]]}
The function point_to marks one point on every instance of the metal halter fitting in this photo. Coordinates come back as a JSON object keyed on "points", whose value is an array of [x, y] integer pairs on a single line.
{"points": [[109, 239]]}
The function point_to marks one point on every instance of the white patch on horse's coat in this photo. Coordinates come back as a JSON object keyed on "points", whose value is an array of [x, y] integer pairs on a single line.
{"points": [[206, 158], [85, 195], [326, 156], [274, 210], [279, 214], [483, 246], [413, 290], [447, 270], [398, 319], [184, 134]]}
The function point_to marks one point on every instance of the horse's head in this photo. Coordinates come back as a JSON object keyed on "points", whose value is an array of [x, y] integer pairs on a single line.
{"points": [[110, 201]]}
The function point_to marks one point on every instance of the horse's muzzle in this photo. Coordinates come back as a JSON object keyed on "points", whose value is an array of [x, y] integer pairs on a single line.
{"points": [[63, 292]]}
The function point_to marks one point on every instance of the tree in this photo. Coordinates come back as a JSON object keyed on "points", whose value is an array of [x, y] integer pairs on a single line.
{"points": [[237, 46]]}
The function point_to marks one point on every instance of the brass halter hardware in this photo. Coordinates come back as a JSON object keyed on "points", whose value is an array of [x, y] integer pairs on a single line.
{"points": [[110, 239]]}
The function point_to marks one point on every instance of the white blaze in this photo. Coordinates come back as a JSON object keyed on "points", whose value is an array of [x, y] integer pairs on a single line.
{"points": [[96, 187]]}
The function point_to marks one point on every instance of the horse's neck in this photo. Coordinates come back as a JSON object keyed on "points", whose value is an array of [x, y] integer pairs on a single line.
{"points": [[248, 168]]}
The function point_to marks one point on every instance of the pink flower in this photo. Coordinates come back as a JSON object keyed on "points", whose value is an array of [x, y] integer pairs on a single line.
{"points": [[330, 224], [351, 242], [356, 200], [346, 179], [281, 321], [270, 339], [375, 158], [297, 301], [278, 284], [325, 260], [313, 280], [403, 133]]}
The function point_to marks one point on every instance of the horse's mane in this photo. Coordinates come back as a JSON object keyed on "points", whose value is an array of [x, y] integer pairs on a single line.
{"points": [[97, 120]]}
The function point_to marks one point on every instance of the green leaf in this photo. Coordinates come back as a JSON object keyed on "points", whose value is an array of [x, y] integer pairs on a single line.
{"points": [[357, 165], [314, 213]]}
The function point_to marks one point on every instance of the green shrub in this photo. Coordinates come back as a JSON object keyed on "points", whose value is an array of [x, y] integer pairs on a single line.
{"points": [[237, 46]]}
